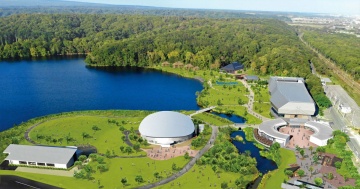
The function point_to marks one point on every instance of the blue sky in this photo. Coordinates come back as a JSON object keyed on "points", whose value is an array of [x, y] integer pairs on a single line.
{"points": [[349, 7]]}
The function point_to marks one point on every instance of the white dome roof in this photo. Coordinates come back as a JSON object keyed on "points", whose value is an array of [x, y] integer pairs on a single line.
{"points": [[166, 124]]}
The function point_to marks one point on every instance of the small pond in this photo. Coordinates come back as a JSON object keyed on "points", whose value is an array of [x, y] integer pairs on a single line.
{"points": [[233, 118], [263, 165]]}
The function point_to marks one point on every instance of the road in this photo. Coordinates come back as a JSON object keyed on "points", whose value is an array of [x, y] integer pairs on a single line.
{"points": [[339, 123], [189, 165], [344, 76]]}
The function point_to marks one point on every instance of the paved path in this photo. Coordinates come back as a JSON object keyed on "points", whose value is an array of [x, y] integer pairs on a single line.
{"points": [[189, 165], [250, 104], [202, 110], [65, 173]]}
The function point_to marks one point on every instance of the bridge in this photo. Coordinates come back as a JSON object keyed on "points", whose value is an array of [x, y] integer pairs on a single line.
{"points": [[203, 110]]}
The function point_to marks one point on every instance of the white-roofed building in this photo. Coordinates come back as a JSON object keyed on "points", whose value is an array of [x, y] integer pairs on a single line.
{"points": [[47, 156], [166, 128], [290, 98]]}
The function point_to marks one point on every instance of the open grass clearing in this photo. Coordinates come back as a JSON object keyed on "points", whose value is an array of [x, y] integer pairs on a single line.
{"points": [[204, 177], [106, 137], [273, 179]]}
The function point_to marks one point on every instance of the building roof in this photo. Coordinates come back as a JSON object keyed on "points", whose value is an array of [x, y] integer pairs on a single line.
{"points": [[252, 77], [232, 67], [322, 132], [285, 90], [166, 124], [270, 128], [42, 154]]}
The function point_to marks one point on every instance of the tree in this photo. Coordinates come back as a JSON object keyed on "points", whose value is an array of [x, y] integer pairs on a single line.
{"points": [[157, 175], [102, 168], [214, 168], [224, 185], [95, 128], [82, 158], [302, 153], [78, 164], [128, 150], [186, 156], [239, 181], [338, 165], [301, 173], [139, 179], [124, 181], [289, 173], [174, 167], [311, 169], [122, 148], [311, 149], [136, 147], [93, 157], [318, 181]]}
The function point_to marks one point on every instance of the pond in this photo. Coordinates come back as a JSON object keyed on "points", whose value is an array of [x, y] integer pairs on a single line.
{"points": [[32, 88], [233, 118], [263, 165]]}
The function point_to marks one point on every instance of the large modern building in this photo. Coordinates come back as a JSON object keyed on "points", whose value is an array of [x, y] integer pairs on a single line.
{"points": [[290, 98], [166, 128], [270, 131], [47, 156]]}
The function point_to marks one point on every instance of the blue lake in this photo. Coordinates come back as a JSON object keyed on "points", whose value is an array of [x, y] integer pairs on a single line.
{"points": [[263, 165], [32, 88]]}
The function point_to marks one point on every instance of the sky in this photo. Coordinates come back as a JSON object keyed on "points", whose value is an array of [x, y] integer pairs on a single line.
{"points": [[348, 7]]}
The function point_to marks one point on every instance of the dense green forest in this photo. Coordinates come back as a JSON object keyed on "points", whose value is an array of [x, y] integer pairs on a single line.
{"points": [[265, 46], [343, 49]]}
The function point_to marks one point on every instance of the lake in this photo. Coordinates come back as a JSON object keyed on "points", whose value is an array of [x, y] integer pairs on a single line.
{"points": [[32, 88], [264, 165]]}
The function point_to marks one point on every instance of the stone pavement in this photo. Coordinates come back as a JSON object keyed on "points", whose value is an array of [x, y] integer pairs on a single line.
{"points": [[163, 153], [305, 164]]}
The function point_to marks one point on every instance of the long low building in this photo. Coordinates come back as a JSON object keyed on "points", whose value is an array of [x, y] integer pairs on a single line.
{"points": [[166, 128], [290, 98], [270, 130], [47, 156]]}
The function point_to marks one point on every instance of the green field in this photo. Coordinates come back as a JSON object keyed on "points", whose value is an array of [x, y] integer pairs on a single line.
{"points": [[204, 177], [107, 138], [274, 178]]}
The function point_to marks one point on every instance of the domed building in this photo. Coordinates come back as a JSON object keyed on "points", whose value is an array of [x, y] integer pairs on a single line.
{"points": [[166, 128]]}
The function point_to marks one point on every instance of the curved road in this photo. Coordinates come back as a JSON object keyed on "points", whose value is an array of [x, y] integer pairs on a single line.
{"points": [[189, 165]]}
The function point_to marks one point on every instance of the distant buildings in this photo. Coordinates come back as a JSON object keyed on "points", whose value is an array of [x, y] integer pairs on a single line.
{"points": [[290, 98], [46, 156], [232, 68], [166, 127]]}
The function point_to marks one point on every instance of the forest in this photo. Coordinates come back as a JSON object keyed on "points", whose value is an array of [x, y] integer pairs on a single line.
{"points": [[264, 46], [343, 49]]}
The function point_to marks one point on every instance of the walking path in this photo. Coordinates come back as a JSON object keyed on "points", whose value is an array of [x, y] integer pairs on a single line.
{"points": [[250, 104], [189, 165], [202, 110], [65, 173]]}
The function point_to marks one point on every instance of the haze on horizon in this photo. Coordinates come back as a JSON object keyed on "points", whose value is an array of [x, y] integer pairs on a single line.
{"points": [[344, 7]]}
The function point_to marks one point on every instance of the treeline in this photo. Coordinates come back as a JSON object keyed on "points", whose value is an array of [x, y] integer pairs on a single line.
{"points": [[264, 45], [67, 7], [343, 49]]}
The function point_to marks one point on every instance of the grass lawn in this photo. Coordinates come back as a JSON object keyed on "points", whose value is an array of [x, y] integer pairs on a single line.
{"points": [[230, 95], [202, 177], [131, 167], [274, 178], [212, 119], [262, 108], [107, 138], [59, 181]]}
